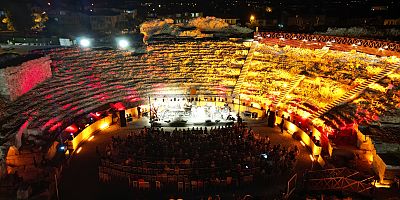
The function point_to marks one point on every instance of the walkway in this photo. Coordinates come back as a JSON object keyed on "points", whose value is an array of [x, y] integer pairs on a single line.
{"points": [[80, 179], [304, 161]]}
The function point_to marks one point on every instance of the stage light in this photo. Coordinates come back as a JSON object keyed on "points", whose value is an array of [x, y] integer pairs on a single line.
{"points": [[84, 42], [62, 148], [79, 150], [312, 158], [123, 43]]}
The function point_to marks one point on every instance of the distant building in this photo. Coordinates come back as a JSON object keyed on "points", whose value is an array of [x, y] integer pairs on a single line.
{"points": [[66, 21], [379, 8], [306, 21], [364, 21], [108, 21], [104, 22], [266, 22], [391, 22], [232, 21], [186, 16]]}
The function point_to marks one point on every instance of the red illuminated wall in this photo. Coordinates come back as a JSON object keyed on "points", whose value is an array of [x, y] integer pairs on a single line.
{"points": [[18, 80]]}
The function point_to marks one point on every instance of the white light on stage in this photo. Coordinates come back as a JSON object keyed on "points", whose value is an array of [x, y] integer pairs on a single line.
{"points": [[84, 42], [123, 43]]}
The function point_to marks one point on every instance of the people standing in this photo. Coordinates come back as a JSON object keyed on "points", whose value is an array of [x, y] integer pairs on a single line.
{"points": [[282, 123], [139, 111]]}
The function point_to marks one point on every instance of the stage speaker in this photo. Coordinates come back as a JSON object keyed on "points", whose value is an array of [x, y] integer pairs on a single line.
{"points": [[271, 119], [122, 119]]}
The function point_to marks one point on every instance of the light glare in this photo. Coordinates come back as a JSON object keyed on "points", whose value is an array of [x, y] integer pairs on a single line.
{"points": [[84, 42], [123, 44]]}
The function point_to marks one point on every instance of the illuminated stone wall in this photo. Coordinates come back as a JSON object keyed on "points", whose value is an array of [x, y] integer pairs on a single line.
{"points": [[18, 80]]}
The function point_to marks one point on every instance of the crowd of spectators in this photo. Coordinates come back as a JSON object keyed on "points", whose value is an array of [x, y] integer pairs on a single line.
{"points": [[209, 154]]}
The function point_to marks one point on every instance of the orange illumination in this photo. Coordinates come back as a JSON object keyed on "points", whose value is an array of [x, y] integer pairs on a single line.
{"points": [[104, 126], [91, 138], [312, 158], [79, 150], [302, 143], [379, 185], [370, 157]]}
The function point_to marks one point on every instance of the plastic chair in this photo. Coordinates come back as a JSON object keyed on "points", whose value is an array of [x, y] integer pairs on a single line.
{"points": [[200, 185], [135, 184], [180, 186], [187, 186], [158, 185], [144, 185], [194, 185]]}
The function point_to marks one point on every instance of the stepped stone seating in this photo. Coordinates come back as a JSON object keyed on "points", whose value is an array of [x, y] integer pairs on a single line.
{"points": [[84, 80]]}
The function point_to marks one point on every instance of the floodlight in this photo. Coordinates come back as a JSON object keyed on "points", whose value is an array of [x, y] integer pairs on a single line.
{"points": [[123, 43], [84, 42]]}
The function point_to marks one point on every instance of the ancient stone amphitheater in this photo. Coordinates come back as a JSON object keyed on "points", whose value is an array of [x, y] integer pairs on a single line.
{"points": [[331, 82]]}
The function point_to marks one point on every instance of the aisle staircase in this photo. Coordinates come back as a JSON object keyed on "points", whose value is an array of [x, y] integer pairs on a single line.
{"points": [[293, 84], [245, 69], [356, 91]]}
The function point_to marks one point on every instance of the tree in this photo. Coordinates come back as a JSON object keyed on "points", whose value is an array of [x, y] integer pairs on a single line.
{"points": [[6, 20], [39, 18]]}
